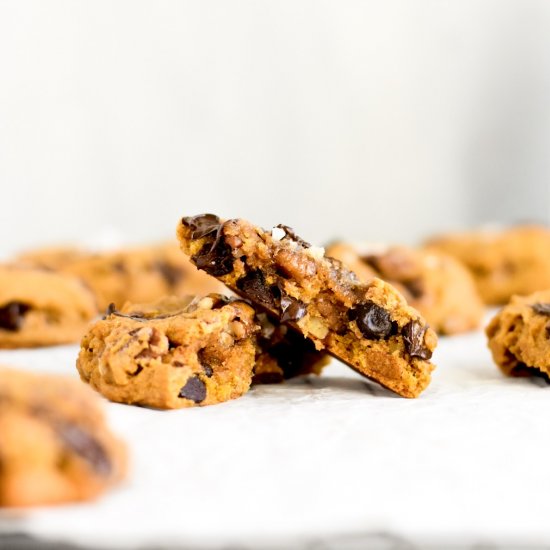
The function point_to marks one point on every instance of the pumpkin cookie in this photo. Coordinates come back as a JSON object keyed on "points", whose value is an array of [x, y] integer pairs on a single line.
{"points": [[133, 274], [54, 444], [369, 325], [42, 308], [172, 354], [519, 335], [503, 262]]}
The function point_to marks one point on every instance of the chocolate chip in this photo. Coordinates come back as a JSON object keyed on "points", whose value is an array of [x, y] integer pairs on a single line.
{"points": [[292, 236], [204, 362], [292, 309], [372, 260], [202, 225], [253, 286], [194, 389], [216, 257], [415, 287], [413, 335], [542, 309], [372, 320], [12, 315], [85, 445], [172, 274], [118, 266]]}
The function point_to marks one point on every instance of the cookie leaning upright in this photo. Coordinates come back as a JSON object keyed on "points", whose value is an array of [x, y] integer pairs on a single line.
{"points": [[55, 446], [176, 352], [519, 335], [369, 326], [42, 308]]}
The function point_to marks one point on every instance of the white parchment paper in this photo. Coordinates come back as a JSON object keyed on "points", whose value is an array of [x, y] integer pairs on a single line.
{"points": [[327, 462]]}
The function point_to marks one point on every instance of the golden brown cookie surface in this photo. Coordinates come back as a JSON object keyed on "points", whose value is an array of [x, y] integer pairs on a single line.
{"points": [[503, 262], [42, 308], [436, 284], [54, 444], [174, 353], [367, 325], [519, 335]]}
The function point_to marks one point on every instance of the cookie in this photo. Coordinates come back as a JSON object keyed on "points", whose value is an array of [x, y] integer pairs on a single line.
{"points": [[519, 335], [42, 308], [134, 274], [173, 353], [503, 262], [55, 446], [369, 325], [436, 284]]}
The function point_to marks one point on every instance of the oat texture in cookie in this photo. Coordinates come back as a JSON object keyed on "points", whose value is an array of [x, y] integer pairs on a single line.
{"points": [[175, 352], [368, 325]]}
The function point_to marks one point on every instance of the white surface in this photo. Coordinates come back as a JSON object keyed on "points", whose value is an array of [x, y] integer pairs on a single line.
{"points": [[323, 458]]}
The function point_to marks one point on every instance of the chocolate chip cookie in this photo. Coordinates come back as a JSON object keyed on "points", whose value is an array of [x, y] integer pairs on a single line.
{"points": [[42, 308], [369, 325], [519, 335], [504, 262], [135, 274], [436, 284], [173, 353], [55, 446]]}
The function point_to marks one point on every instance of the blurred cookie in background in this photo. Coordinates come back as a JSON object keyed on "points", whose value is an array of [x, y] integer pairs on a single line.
{"points": [[42, 308], [140, 274], [55, 446], [436, 284], [503, 262]]}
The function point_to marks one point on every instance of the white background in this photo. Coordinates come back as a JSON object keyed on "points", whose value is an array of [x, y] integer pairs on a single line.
{"points": [[374, 120]]}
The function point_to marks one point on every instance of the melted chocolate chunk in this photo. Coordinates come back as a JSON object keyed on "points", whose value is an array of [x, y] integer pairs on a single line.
{"points": [[202, 225], [413, 335], [253, 286], [541, 309], [292, 236], [292, 309], [372, 320], [215, 257], [194, 389], [172, 274], [292, 354], [12, 315], [85, 445]]}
